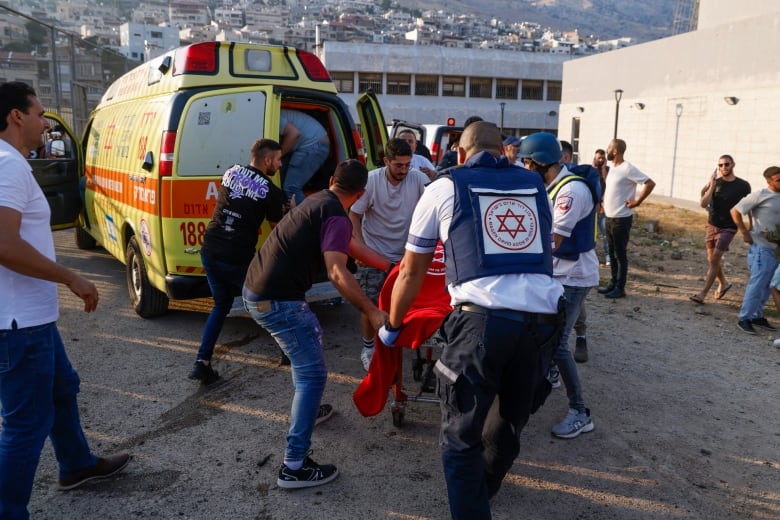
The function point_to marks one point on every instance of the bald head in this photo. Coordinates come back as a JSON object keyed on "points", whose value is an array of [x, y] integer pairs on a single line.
{"points": [[481, 136]]}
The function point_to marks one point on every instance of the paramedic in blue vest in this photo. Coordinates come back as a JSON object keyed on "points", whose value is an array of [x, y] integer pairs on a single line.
{"points": [[505, 319], [575, 263]]}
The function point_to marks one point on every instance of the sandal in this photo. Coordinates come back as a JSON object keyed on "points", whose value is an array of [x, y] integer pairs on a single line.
{"points": [[720, 294], [696, 299]]}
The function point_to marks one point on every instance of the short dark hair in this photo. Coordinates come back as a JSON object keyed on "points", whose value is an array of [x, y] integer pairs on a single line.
{"points": [[771, 172], [599, 151], [263, 147], [350, 176], [727, 156], [566, 147], [397, 148], [472, 119], [14, 95]]}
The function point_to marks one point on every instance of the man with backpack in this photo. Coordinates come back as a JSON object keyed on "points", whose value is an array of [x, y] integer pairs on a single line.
{"points": [[575, 264], [596, 183]]}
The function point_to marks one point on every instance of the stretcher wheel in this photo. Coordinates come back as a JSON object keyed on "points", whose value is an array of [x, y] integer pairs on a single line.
{"points": [[398, 410], [398, 418]]}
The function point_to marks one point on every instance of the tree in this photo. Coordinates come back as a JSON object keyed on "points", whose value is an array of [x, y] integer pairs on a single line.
{"points": [[36, 33]]}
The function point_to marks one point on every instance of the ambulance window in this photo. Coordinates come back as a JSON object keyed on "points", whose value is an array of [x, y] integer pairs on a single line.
{"points": [[258, 60], [217, 131]]}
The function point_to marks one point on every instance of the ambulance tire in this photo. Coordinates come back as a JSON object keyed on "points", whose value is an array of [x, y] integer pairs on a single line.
{"points": [[84, 240], [147, 301]]}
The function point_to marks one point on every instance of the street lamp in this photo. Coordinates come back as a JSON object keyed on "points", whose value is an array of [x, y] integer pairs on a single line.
{"points": [[502, 104], [618, 97]]}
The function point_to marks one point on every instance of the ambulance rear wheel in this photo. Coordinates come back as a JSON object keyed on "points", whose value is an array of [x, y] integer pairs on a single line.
{"points": [[147, 301]]}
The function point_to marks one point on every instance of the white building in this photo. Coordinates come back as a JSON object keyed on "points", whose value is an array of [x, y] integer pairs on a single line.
{"points": [[686, 99], [143, 42], [429, 84]]}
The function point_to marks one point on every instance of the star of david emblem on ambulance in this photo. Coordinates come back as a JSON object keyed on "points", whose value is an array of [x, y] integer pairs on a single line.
{"points": [[510, 224]]}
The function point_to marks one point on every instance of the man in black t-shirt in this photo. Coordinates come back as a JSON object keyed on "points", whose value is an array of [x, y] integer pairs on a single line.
{"points": [[719, 195], [246, 198], [315, 235]]}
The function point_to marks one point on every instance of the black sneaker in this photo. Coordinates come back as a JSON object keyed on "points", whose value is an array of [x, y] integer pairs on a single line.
{"points": [[606, 289], [581, 350], [323, 414], [311, 474], [746, 326], [203, 373], [763, 323]]}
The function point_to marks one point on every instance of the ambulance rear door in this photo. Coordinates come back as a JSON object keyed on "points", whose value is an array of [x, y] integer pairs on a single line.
{"points": [[373, 128], [216, 129]]}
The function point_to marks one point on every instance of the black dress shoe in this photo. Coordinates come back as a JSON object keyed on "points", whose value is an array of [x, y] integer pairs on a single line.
{"points": [[615, 293], [607, 289]]}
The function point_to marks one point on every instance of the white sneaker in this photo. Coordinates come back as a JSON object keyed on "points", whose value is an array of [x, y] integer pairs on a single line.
{"points": [[365, 357], [776, 342]]}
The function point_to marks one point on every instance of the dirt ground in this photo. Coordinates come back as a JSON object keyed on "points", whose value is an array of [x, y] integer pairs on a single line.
{"points": [[685, 406]]}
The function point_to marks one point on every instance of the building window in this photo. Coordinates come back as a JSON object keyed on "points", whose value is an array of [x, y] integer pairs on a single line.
{"points": [[533, 89], [553, 91], [506, 89], [370, 80], [480, 88], [156, 34], [399, 84], [426, 85], [344, 81], [453, 86]]}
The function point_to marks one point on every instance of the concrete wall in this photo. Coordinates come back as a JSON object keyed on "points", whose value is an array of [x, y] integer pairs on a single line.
{"points": [[685, 124], [437, 60], [718, 12]]}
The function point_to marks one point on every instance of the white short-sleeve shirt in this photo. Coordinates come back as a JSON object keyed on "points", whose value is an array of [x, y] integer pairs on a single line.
{"points": [[522, 292]]}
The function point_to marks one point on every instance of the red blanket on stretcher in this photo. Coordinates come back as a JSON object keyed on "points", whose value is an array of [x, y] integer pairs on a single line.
{"points": [[423, 319]]}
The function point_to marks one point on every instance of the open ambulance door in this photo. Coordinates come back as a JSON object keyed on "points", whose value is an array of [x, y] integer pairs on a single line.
{"points": [[56, 166], [373, 129]]}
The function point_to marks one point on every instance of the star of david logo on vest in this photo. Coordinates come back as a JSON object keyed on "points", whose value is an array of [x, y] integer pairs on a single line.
{"points": [[510, 224]]}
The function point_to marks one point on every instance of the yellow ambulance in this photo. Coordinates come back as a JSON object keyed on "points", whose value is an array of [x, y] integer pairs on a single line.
{"points": [[155, 148]]}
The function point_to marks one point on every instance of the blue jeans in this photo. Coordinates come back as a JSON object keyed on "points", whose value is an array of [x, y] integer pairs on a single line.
{"points": [[295, 328], [488, 377], [38, 388], [225, 281], [618, 230], [304, 163], [762, 264], [575, 297], [603, 234]]}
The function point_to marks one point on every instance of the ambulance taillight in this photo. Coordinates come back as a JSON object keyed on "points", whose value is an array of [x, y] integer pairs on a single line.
{"points": [[313, 67], [361, 153], [167, 145], [198, 58]]}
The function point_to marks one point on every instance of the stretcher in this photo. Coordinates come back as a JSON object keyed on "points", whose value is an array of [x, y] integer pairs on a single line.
{"points": [[419, 332]]}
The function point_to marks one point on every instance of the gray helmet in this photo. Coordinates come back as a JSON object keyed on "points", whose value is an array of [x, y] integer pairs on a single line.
{"points": [[542, 148]]}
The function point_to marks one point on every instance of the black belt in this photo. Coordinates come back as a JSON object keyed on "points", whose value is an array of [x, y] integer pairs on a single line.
{"points": [[508, 314]]}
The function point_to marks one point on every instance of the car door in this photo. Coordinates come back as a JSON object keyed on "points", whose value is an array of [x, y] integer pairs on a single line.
{"points": [[57, 166], [373, 129]]}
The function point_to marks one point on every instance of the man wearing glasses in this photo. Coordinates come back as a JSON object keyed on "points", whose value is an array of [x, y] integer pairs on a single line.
{"points": [[722, 191]]}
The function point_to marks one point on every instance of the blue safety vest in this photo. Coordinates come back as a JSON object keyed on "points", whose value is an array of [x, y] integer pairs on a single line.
{"points": [[583, 236], [501, 221]]}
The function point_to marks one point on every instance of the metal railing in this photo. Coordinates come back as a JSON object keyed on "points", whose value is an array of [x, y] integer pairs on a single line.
{"points": [[69, 73]]}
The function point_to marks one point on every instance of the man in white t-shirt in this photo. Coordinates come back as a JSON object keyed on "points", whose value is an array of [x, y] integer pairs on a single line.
{"points": [[38, 385], [620, 199], [380, 219]]}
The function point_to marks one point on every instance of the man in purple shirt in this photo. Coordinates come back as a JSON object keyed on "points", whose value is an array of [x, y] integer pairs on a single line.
{"points": [[314, 236]]}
